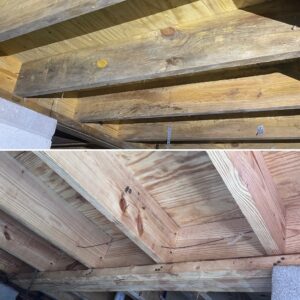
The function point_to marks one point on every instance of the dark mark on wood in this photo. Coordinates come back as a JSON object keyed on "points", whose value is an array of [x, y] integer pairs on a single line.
{"points": [[6, 234], [128, 190], [139, 223], [174, 61], [123, 204]]}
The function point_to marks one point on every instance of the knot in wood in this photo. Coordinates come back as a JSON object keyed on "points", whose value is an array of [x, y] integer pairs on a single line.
{"points": [[168, 32]]}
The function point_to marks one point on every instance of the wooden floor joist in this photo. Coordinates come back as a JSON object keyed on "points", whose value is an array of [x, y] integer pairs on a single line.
{"points": [[30, 248], [235, 275], [264, 93], [234, 39], [26, 199], [251, 184], [12, 265], [118, 196], [32, 15], [247, 129]]}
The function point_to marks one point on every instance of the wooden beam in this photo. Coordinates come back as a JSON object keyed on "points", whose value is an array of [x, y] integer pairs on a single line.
{"points": [[216, 43], [30, 248], [11, 265], [272, 129], [110, 187], [21, 17], [122, 251], [62, 109], [234, 275], [271, 92], [251, 185], [226, 239], [30, 202], [233, 146]]}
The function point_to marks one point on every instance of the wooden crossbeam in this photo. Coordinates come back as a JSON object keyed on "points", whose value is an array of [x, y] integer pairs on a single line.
{"points": [[234, 39], [30, 248], [234, 275], [30, 202], [19, 17], [254, 129], [251, 185], [103, 181], [271, 92]]}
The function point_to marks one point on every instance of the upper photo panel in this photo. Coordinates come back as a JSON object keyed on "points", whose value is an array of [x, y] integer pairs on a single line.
{"points": [[149, 74]]}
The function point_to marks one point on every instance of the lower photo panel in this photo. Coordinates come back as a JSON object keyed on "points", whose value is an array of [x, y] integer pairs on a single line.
{"points": [[150, 225]]}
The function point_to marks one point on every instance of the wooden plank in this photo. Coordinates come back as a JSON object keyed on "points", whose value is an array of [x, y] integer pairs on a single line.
{"points": [[263, 146], [271, 92], [272, 129], [210, 45], [10, 264], [126, 21], [234, 275], [122, 251], [216, 240], [119, 197], [285, 170], [26, 199], [62, 109], [185, 184], [20, 17], [30, 248], [284, 167], [251, 185]]}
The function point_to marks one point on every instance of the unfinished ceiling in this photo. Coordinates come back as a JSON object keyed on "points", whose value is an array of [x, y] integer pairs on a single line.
{"points": [[138, 221], [141, 73]]}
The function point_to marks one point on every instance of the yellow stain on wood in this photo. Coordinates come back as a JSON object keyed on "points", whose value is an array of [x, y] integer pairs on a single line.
{"points": [[102, 63]]}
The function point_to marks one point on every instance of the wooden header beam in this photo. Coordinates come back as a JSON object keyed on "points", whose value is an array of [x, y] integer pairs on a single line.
{"points": [[110, 187], [216, 44], [233, 275], [251, 185], [19, 17]]}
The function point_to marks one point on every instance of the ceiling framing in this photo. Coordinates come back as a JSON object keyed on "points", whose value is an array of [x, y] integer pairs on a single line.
{"points": [[91, 222], [122, 74]]}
